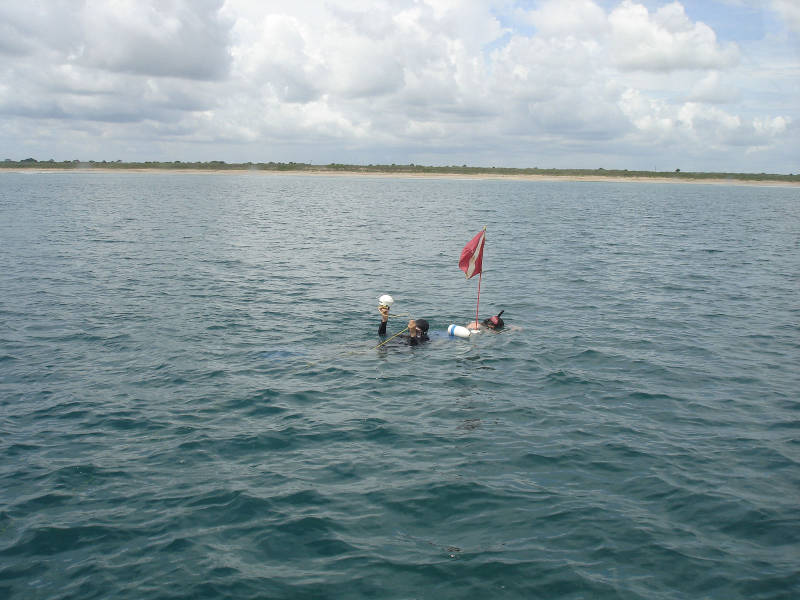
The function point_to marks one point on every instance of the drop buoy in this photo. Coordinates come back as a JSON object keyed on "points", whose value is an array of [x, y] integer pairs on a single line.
{"points": [[385, 300], [458, 331]]}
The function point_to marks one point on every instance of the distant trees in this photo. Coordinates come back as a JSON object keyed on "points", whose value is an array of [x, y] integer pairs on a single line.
{"points": [[221, 165]]}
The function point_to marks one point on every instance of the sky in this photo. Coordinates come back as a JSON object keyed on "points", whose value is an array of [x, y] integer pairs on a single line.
{"points": [[697, 85]]}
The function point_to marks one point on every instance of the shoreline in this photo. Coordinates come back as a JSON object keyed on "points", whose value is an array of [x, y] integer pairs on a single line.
{"points": [[402, 175]]}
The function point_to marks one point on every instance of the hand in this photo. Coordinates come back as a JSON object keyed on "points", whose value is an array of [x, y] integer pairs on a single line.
{"points": [[412, 328]]}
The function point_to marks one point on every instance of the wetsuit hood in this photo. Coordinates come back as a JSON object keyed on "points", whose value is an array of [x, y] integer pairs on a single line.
{"points": [[495, 322]]}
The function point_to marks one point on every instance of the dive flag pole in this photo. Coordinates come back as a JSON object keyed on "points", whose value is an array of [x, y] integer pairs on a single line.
{"points": [[471, 262], [480, 278]]}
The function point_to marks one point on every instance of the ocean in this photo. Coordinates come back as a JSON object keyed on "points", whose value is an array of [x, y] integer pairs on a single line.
{"points": [[194, 402]]}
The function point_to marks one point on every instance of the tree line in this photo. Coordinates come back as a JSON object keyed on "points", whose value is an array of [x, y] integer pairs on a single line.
{"points": [[221, 165]]}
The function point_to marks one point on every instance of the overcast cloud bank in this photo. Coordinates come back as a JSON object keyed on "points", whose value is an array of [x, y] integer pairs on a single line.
{"points": [[567, 83]]}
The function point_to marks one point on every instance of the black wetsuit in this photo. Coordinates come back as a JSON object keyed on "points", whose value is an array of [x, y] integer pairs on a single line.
{"points": [[405, 338]]}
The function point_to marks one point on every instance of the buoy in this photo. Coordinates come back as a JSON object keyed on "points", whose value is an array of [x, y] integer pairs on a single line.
{"points": [[458, 331], [385, 300]]}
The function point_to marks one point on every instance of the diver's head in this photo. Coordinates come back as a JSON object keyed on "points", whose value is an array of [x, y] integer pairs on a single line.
{"points": [[495, 322], [422, 325]]}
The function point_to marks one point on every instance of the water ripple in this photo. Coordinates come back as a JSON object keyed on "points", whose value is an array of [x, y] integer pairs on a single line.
{"points": [[193, 404]]}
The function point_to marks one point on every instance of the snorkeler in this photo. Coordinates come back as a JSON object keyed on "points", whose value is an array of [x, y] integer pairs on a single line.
{"points": [[417, 328], [494, 323]]}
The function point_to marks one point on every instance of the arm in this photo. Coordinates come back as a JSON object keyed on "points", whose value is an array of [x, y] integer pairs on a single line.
{"points": [[412, 333], [384, 310]]}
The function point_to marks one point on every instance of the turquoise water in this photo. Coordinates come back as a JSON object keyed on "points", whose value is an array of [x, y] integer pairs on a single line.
{"points": [[192, 404]]}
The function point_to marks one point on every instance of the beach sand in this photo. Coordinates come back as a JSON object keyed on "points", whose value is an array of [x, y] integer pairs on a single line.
{"points": [[404, 175]]}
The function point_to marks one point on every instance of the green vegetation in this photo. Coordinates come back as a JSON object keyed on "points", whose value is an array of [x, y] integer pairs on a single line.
{"points": [[219, 165]]}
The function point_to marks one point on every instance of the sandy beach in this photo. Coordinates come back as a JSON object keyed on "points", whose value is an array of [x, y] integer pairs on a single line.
{"points": [[406, 175]]}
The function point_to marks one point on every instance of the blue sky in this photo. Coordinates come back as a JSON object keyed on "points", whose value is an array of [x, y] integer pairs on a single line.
{"points": [[711, 85]]}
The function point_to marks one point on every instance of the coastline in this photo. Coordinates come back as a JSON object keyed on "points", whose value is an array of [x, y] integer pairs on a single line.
{"points": [[406, 175]]}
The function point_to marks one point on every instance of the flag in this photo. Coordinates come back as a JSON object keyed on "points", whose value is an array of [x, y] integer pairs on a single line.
{"points": [[472, 255]]}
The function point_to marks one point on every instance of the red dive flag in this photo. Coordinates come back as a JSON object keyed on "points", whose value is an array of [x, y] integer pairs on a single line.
{"points": [[472, 255]]}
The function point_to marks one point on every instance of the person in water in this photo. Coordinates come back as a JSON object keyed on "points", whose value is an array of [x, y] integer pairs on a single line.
{"points": [[417, 328], [494, 323]]}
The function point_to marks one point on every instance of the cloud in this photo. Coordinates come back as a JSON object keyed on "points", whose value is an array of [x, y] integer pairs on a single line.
{"points": [[359, 66], [666, 40], [166, 38], [272, 56], [13, 43], [708, 127], [569, 18], [515, 83], [713, 88], [789, 11], [172, 38]]}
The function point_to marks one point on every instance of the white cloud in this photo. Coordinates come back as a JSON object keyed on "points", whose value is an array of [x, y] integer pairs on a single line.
{"points": [[665, 41], [713, 88], [406, 79], [175, 38], [569, 18], [274, 53], [360, 67], [789, 10], [707, 127]]}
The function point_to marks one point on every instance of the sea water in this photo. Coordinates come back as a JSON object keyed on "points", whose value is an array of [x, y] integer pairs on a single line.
{"points": [[193, 403]]}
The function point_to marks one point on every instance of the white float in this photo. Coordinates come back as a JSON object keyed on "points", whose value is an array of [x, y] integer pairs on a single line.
{"points": [[385, 300], [458, 331]]}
